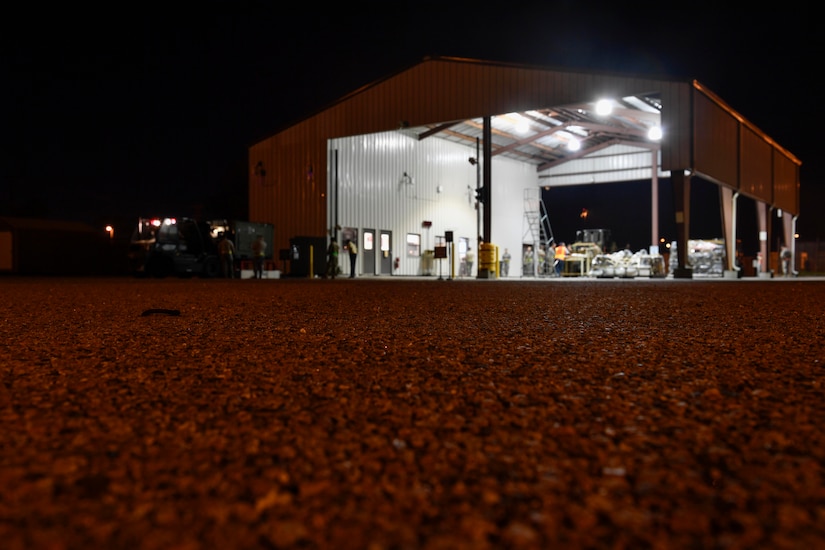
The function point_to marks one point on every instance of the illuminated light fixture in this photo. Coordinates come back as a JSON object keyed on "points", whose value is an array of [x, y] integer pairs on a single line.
{"points": [[574, 145], [604, 107], [522, 126], [655, 133]]}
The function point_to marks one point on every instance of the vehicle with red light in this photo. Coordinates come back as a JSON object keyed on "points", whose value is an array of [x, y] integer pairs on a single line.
{"points": [[162, 247]]}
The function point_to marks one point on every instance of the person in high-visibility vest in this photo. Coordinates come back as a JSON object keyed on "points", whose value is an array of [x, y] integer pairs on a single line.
{"points": [[560, 254]]}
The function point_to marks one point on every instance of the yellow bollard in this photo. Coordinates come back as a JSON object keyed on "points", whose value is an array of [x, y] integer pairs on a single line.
{"points": [[452, 261], [487, 261]]}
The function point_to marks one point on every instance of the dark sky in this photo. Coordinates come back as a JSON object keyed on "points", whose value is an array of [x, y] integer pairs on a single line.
{"points": [[124, 109]]}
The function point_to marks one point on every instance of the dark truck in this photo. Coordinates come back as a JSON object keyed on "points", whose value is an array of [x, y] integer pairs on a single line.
{"points": [[161, 247]]}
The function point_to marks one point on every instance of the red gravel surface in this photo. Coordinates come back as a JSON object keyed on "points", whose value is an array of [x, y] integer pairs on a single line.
{"points": [[412, 414]]}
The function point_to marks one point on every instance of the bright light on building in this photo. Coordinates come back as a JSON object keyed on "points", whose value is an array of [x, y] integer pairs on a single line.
{"points": [[574, 145], [655, 133], [604, 107]]}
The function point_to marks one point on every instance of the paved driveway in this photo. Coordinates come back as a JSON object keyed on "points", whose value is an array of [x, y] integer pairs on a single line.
{"points": [[412, 414]]}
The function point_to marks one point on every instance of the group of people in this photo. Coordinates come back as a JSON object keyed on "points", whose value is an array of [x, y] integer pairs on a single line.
{"points": [[560, 254], [333, 251], [227, 253], [226, 249]]}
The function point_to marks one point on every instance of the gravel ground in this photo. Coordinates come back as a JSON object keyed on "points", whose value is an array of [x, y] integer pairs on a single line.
{"points": [[412, 414]]}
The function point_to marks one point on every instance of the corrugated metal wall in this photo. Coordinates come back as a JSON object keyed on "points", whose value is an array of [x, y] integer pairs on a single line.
{"points": [[292, 195], [730, 150], [755, 163], [716, 141], [785, 182], [614, 163], [390, 181]]}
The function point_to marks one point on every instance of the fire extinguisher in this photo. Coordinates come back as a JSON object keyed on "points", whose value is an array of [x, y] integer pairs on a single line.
{"points": [[397, 263]]}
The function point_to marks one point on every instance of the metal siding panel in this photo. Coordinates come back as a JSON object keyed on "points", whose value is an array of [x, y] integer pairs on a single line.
{"points": [[715, 141], [373, 195], [614, 164], [676, 127], [287, 197], [756, 165], [785, 183]]}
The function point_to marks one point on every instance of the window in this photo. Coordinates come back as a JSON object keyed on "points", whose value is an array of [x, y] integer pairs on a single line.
{"points": [[413, 244]]}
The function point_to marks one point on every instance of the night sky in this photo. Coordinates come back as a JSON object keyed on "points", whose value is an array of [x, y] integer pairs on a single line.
{"points": [[120, 110]]}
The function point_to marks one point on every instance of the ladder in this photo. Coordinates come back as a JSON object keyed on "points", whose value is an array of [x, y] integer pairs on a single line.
{"points": [[537, 231]]}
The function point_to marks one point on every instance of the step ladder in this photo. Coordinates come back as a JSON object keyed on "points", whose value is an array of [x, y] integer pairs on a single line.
{"points": [[538, 234]]}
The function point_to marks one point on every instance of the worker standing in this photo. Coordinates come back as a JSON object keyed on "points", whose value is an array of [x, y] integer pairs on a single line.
{"points": [[352, 248], [226, 249], [527, 262], [505, 263], [332, 259], [258, 255], [469, 259], [560, 255]]}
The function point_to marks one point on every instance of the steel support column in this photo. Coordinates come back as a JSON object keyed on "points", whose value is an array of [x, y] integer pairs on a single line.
{"points": [[681, 202]]}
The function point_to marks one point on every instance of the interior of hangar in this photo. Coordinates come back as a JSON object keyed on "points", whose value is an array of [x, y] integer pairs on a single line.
{"points": [[459, 150]]}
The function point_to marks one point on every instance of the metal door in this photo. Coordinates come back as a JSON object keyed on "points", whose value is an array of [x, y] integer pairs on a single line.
{"points": [[385, 246], [368, 262]]}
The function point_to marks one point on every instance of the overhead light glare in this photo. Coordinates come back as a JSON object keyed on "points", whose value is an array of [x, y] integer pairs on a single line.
{"points": [[574, 145], [604, 107], [655, 133]]}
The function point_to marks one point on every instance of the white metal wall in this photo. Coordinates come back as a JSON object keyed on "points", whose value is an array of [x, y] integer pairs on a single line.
{"points": [[612, 164], [373, 192]]}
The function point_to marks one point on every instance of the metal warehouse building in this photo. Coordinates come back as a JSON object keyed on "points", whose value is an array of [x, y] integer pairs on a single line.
{"points": [[458, 150]]}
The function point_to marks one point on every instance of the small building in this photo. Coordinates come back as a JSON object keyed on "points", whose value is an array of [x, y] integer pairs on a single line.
{"points": [[31, 246], [462, 147]]}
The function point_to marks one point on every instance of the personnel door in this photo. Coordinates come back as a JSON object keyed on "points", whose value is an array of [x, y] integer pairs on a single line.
{"points": [[368, 246], [385, 245]]}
